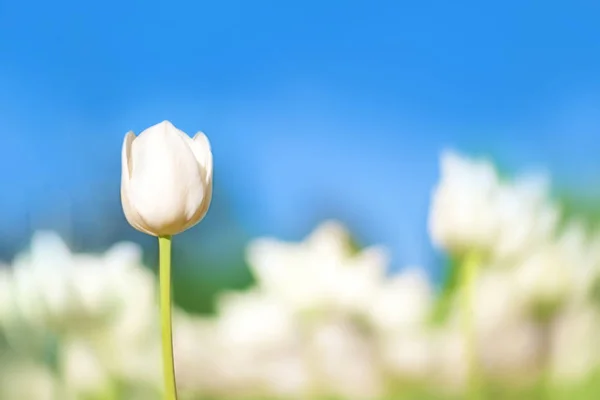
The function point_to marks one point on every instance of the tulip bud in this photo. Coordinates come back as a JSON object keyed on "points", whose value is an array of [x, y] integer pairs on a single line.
{"points": [[166, 181]]}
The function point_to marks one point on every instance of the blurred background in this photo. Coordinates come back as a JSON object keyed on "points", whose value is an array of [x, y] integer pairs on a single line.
{"points": [[316, 111]]}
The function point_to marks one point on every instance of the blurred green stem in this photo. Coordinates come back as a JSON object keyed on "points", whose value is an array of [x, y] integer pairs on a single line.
{"points": [[470, 268], [164, 249]]}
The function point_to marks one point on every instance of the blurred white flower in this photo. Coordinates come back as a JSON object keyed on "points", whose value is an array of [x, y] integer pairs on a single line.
{"points": [[574, 351], [409, 356], [526, 217], [287, 271], [544, 280], [252, 348], [331, 240], [495, 302], [258, 332], [507, 339], [254, 320], [357, 283], [472, 210], [129, 344], [344, 361], [450, 370], [319, 273], [296, 272], [403, 302], [82, 371], [511, 353], [60, 290], [286, 375], [582, 251], [197, 353], [25, 380], [105, 302], [461, 215]]}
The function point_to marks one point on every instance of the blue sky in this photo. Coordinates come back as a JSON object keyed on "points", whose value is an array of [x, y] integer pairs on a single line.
{"points": [[314, 108]]}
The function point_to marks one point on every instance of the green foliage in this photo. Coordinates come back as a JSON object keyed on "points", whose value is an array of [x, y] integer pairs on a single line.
{"points": [[196, 286], [580, 206], [449, 287]]}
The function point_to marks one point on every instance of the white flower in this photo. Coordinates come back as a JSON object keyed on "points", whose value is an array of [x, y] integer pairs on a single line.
{"points": [[507, 339], [255, 333], [461, 217], [450, 371], [52, 288], [197, 353], [582, 251], [319, 273], [344, 361], [526, 218], [353, 286], [106, 302], [409, 356], [82, 371], [25, 380], [166, 183], [286, 375], [472, 210], [574, 350], [252, 348], [55, 289], [254, 320], [495, 302], [403, 302], [129, 344], [298, 273], [512, 352], [544, 280]]}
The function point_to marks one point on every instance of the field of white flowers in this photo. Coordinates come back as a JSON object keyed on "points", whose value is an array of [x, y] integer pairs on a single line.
{"points": [[519, 316]]}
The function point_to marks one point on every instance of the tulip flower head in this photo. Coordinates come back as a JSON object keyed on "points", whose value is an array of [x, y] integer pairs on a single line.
{"points": [[166, 182]]}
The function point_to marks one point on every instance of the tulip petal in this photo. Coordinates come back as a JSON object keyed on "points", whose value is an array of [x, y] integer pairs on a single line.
{"points": [[126, 154], [201, 212], [131, 214], [201, 148]]}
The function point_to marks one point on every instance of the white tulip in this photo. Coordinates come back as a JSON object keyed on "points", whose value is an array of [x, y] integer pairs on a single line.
{"points": [[166, 182], [526, 217], [53, 288], [473, 209], [319, 273], [461, 216], [496, 301], [544, 280], [254, 320]]}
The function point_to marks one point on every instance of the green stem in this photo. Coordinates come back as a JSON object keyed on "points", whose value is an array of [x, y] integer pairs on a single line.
{"points": [[164, 248], [468, 277]]}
